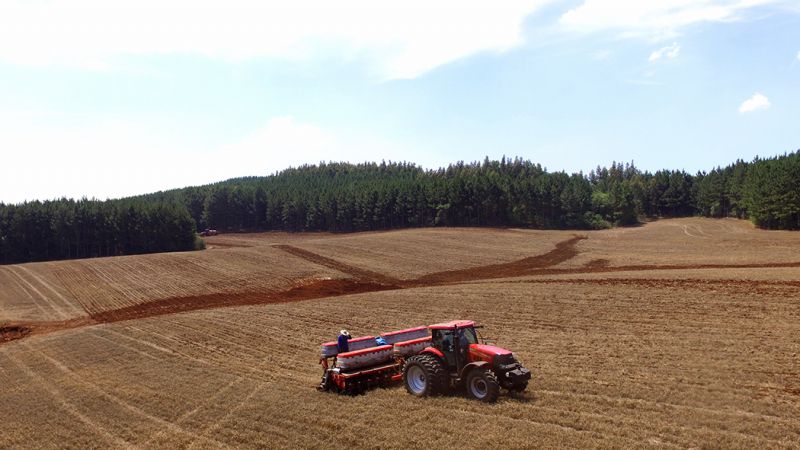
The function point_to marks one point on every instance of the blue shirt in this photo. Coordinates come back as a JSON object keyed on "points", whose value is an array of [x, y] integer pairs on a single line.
{"points": [[342, 343]]}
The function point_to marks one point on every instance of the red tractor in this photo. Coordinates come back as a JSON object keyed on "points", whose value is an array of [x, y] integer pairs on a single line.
{"points": [[450, 357], [456, 359]]}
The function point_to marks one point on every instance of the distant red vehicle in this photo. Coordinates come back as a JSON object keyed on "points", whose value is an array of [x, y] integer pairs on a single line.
{"points": [[208, 232]]}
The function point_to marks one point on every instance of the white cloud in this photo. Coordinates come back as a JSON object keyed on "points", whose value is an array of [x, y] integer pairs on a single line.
{"points": [[401, 39], [669, 52], [49, 156], [657, 19], [44, 160], [798, 56], [754, 103]]}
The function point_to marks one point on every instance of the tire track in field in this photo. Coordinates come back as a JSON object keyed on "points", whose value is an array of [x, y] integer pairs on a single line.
{"points": [[122, 403], [170, 352], [210, 401], [655, 405], [29, 291], [68, 304], [123, 345], [210, 428], [599, 266], [754, 286], [68, 406], [523, 421]]}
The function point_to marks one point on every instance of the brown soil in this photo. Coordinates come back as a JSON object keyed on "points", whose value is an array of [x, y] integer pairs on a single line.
{"points": [[647, 358], [222, 245], [711, 285], [597, 263], [597, 268], [369, 281], [12, 332], [356, 272], [315, 289], [564, 251]]}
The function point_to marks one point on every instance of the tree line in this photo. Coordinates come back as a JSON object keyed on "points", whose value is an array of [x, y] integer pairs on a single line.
{"points": [[343, 197], [65, 229]]}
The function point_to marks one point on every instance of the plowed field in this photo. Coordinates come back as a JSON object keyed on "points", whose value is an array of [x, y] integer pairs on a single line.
{"points": [[680, 333]]}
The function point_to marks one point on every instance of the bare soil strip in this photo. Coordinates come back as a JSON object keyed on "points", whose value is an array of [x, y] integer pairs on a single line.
{"points": [[315, 289], [356, 272]]}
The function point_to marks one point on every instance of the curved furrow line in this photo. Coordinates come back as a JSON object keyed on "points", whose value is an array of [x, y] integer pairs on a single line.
{"points": [[68, 406]]}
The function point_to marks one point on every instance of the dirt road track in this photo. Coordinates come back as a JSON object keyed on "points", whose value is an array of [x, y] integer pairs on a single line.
{"points": [[565, 250]]}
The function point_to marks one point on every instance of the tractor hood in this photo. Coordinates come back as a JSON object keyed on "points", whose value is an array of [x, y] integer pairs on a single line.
{"points": [[487, 352]]}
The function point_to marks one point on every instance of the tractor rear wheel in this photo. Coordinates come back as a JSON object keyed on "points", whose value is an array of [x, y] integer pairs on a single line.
{"points": [[482, 385], [424, 376]]}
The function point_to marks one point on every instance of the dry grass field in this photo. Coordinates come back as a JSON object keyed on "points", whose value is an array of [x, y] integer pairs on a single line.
{"points": [[676, 334]]}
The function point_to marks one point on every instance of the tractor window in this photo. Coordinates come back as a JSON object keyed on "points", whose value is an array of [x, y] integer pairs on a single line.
{"points": [[443, 340], [447, 340], [468, 335]]}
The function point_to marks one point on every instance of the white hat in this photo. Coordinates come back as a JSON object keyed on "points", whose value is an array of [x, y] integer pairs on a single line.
{"points": [[345, 333]]}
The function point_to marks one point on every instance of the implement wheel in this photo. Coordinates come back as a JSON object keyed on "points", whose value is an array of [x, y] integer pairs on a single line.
{"points": [[482, 385], [424, 376]]}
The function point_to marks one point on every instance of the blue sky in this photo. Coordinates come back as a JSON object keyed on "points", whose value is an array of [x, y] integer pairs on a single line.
{"points": [[103, 100]]}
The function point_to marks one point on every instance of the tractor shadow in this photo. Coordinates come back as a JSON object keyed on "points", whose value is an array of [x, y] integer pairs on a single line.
{"points": [[518, 397], [505, 397]]}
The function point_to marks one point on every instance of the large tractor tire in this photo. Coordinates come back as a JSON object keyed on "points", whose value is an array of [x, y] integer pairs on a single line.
{"points": [[482, 384], [424, 376]]}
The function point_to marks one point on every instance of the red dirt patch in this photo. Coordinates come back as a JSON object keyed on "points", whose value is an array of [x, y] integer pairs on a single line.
{"points": [[13, 332], [315, 289]]}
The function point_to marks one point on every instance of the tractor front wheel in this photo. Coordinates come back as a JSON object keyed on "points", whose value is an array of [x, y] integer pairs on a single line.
{"points": [[482, 385], [424, 376]]}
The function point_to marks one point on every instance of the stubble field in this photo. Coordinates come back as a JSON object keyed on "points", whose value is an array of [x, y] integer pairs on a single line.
{"points": [[676, 334]]}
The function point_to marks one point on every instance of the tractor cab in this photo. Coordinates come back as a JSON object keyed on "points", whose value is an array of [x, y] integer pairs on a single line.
{"points": [[454, 340], [456, 353], [459, 343]]}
